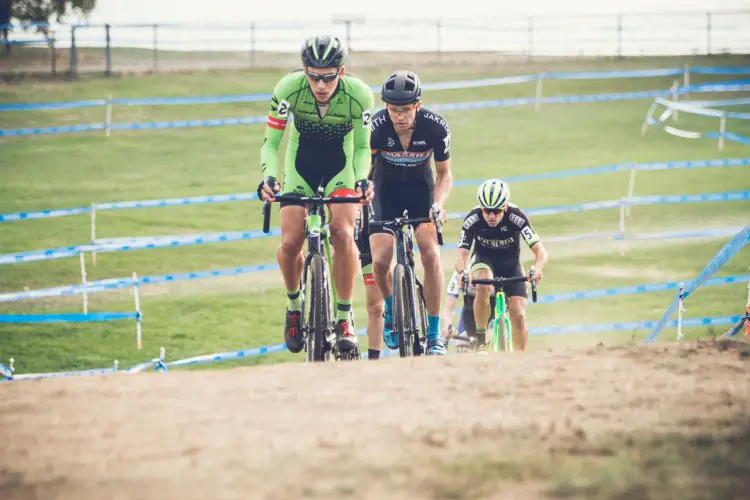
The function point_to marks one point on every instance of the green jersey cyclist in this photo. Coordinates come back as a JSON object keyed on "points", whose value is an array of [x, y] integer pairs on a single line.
{"points": [[329, 145]]}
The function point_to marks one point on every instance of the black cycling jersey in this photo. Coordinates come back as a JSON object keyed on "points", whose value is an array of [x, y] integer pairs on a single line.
{"points": [[391, 162], [500, 244]]}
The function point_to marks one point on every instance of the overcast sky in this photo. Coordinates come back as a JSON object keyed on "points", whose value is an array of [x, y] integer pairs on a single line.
{"points": [[243, 11]]}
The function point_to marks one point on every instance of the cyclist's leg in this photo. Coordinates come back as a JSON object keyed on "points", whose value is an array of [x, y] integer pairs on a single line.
{"points": [[517, 302], [385, 206], [297, 175], [289, 252], [482, 269], [374, 299], [375, 320], [381, 246], [345, 255]]}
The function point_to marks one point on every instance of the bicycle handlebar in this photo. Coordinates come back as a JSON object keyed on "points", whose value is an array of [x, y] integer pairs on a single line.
{"points": [[499, 281], [438, 228], [513, 279], [312, 200], [403, 221]]}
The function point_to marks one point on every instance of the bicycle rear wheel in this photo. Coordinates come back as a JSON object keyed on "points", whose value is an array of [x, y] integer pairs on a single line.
{"points": [[316, 322], [402, 312]]}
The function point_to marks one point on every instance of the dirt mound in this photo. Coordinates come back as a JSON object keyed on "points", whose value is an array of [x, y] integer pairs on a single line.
{"points": [[646, 422]]}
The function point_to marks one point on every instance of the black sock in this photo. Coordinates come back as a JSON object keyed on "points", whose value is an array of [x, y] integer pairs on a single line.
{"points": [[481, 336], [373, 354]]}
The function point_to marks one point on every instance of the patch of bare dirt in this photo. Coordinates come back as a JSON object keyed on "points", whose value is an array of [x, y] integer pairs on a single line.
{"points": [[646, 422]]}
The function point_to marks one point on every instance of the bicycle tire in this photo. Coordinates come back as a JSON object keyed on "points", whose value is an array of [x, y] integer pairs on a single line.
{"points": [[422, 308], [402, 312], [316, 319]]}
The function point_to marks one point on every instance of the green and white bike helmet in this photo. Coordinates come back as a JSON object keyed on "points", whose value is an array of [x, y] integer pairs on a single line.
{"points": [[493, 193]]}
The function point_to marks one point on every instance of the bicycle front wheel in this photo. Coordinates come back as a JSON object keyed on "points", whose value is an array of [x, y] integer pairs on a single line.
{"points": [[316, 321], [402, 312]]}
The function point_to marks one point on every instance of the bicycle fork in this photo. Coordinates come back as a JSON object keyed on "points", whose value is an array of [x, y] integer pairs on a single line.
{"points": [[501, 314]]}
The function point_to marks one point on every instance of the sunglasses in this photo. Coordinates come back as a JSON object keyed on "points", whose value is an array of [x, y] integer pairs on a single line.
{"points": [[493, 211], [328, 77]]}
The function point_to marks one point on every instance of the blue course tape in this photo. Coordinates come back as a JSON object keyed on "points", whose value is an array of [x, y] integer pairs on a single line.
{"points": [[449, 85], [170, 202], [118, 283], [161, 101], [43, 214], [138, 244], [720, 70], [67, 318], [727, 135], [437, 107], [52, 105], [637, 289], [228, 356], [727, 162], [730, 249], [688, 198], [733, 247], [602, 75], [733, 86], [77, 373], [638, 200], [698, 233], [62, 129], [701, 110], [632, 325]]}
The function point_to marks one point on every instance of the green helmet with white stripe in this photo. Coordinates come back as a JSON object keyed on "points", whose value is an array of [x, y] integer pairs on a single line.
{"points": [[323, 51], [493, 193]]}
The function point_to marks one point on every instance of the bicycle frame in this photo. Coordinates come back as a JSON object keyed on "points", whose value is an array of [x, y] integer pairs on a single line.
{"points": [[501, 319], [404, 235], [318, 242], [503, 342]]}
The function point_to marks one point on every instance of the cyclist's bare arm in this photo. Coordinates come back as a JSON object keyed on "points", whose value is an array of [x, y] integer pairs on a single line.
{"points": [[465, 240], [540, 256], [443, 184], [462, 260]]}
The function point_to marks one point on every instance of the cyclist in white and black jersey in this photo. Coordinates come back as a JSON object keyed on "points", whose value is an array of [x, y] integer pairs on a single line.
{"points": [[406, 138], [494, 230]]}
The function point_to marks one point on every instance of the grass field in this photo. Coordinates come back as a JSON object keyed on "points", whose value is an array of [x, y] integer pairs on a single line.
{"points": [[191, 318]]}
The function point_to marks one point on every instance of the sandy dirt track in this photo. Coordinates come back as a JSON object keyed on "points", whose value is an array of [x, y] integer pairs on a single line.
{"points": [[631, 422]]}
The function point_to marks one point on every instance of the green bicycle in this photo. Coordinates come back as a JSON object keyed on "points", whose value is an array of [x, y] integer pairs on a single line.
{"points": [[502, 331], [317, 290]]}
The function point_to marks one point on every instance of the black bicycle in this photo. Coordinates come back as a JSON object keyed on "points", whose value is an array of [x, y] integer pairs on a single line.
{"points": [[409, 310], [316, 287]]}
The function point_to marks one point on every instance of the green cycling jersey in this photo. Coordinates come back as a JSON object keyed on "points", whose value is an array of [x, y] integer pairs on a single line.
{"points": [[328, 146]]}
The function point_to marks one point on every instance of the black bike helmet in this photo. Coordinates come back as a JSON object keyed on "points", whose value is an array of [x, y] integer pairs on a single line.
{"points": [[402, 87], [323, 51]]}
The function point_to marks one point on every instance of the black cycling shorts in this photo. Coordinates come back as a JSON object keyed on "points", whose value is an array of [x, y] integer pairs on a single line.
{"points": [[502, 270], [392, 198]]}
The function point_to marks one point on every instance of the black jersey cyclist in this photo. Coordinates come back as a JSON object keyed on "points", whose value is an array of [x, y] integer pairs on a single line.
{"points": [[495, 229], [406, 139]]}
